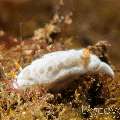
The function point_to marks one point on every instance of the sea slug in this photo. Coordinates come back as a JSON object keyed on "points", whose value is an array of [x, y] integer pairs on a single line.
{"points": [[54, 69]]}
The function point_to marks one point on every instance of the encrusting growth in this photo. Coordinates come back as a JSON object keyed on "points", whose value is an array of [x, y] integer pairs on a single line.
{"points": [[54, 69]]}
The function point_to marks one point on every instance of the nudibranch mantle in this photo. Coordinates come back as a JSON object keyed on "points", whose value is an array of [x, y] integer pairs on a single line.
{"points": [[55, 67]]}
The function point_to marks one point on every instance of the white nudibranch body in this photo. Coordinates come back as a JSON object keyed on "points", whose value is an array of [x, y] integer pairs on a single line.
{"points": [[56, 67]]}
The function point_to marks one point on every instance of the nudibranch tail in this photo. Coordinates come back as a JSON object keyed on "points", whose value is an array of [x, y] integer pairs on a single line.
{"points": [[105, 68]]}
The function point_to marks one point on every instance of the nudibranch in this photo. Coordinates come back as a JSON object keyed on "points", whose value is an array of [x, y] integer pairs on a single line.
{"points": [[54, 69]]}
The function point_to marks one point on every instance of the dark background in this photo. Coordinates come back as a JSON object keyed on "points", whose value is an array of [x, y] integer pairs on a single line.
{"points": [[94, 19]]}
